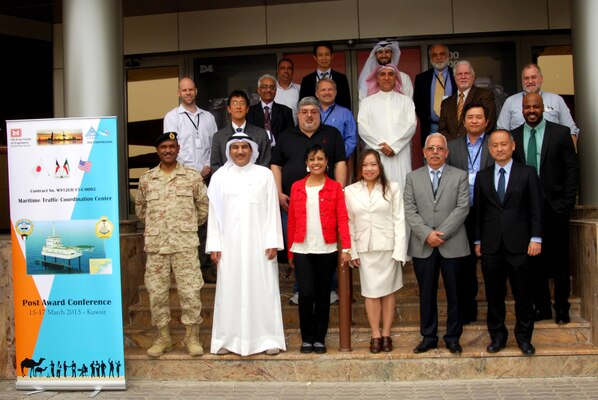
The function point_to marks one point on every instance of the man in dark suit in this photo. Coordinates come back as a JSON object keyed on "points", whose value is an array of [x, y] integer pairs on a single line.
{"points": [[508, 206], [431, 87], [451, 109], [470, 153], [273, 117], [552, 153], [436, 205], [238, 106], [323, 54]]}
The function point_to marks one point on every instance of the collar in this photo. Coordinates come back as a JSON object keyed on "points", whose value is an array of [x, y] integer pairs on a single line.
{"points": [[329, 70], [441, 169], [269, 104], [465, 93], [235, 126], [480, 140], [182, 110], [507, 167], [540, 127]]}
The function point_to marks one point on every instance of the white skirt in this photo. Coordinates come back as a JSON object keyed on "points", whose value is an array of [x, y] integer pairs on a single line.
{"points": [[379, 274]]}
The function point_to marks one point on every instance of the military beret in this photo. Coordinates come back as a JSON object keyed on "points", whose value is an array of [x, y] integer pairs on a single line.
{"points": [[165, 136]]}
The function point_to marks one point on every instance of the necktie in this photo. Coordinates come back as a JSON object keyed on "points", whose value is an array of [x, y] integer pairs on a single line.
{"points": [[460, 106], [532, 150], [438, 93], [239, 130], [267, 119], [324, 75], [435, 180], [500, 189]]}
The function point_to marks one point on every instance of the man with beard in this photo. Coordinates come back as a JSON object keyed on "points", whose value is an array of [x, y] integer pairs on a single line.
{"points": [[555, 109], [431, 87], [548, 148], [384, 52]]}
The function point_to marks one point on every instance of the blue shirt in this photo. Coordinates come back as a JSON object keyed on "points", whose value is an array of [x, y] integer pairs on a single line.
{"points": [[342, 119], [474, 160], [448, 91]]}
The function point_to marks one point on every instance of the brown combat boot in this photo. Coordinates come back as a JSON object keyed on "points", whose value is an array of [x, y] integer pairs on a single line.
{"points": [[162, 343], [191, 340]]}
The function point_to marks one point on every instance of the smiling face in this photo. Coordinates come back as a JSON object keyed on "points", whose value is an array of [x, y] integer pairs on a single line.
{"points": [[168, 151], [326, 92], [531, 80], [384, 55], [323, 58], [439, 57], [240, 153], [308, 118], [464, 77], [370, 169], [475, 121], [285, 73], [267, 90], [386, 79], [533, 109], [187, 92], [501, 146], [435, 151], [317, 162], [238, 109]]}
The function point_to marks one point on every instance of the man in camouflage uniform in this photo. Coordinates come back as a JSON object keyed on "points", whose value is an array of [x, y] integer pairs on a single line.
{"points": [[172, 203]]}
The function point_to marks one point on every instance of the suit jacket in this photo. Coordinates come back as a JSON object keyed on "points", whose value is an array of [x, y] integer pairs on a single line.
{"points": [[218, 155], [281, 116], [559, 169], [446, 213], [517, 219], [459, 156], [343, 93], [452, 128], [421, 98], [377, 222]]}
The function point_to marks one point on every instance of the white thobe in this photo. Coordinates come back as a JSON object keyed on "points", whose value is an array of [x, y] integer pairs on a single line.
{"points": [[244, 221], [389, 117]]}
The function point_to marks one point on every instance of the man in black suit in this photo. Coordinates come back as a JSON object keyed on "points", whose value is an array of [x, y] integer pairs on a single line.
{"points": [[431, 87], [470, 153], [273, 117], [323, 55], [508, 206], [552, 153]]}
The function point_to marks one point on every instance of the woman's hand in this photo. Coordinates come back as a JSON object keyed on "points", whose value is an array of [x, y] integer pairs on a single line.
{"points": [[356, 263]]}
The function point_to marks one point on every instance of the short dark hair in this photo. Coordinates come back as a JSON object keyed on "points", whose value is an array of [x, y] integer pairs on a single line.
{"points": [[314, 148], [476, 104], [323, 43], [287, 60], [237, 93]]}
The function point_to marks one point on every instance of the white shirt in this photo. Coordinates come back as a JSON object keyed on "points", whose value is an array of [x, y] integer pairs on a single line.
{"points": [[289, 97]]}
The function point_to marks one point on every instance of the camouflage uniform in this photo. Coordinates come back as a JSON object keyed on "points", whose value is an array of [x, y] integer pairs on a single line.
{"points": [[172, 206]]}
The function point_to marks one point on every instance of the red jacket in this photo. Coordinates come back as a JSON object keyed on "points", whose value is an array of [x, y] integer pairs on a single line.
{"points": [[333, 214]]}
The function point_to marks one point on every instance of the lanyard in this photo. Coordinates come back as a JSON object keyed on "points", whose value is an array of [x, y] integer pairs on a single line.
{"points": [[439, 80], [330, 110], [472, 163], [196, 126]]}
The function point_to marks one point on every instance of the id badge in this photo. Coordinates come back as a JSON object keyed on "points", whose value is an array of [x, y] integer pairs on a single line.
{"points": [[472, 176], [198, 142]]}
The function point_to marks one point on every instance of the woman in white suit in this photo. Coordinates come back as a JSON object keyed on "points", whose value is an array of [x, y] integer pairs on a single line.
{"points": [[379, 244]]}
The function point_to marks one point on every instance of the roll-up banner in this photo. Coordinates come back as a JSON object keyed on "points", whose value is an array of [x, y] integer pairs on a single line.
{"points": [[63, 185]]}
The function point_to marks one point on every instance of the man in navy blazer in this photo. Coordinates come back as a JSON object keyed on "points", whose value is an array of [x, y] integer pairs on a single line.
{"points": [[323, 55], [556, 162], [508, 207], [470, 153], [427, 101], [281, 116]]}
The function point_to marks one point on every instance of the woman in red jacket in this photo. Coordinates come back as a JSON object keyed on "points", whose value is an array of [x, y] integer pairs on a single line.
{"points": [[317, 215]]}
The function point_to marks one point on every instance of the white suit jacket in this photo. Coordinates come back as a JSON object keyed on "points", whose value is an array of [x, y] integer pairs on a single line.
{"points": [[376, 223]]}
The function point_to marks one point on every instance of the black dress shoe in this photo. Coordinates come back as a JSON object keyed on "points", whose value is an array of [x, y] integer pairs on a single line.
{"points": [[386, 343], [306, 348], [454, 347], [542, 315], [375, 345], [527, 348], [496, 346], [562, 318], [319, 348], [425, 345]]}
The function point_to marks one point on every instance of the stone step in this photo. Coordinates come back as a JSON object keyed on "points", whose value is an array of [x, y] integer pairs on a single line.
{"points": [[407, 311], [406, 334]]}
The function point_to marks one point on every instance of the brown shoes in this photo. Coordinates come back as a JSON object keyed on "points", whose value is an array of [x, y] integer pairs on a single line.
{"points": [[386, 343], [375, 345]]}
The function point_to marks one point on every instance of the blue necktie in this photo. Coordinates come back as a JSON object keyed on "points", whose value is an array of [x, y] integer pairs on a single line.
{"points": [[239, 129], [501, 185]]}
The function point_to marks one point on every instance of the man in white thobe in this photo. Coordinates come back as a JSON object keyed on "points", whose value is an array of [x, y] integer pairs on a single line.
{"points": [[244, 234], [384, 52], [386, 123]]}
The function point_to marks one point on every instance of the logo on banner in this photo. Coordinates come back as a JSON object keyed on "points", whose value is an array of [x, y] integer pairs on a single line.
{"points": [[16, 132], [24, 227], [104, 228]]}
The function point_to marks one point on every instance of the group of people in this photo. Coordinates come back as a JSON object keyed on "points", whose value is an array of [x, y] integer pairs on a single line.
{"points": [[278, 183]]}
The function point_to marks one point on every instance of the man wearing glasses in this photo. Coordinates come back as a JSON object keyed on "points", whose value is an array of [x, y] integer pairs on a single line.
{"points": [[238, 107], [267, 114]]}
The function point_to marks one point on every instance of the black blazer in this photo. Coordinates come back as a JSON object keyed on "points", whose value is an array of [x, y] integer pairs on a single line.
{"points": [[559, 169], [343, 93], [282, 117], [421, 97], [515, 221], [459, 156], [452, 128]]}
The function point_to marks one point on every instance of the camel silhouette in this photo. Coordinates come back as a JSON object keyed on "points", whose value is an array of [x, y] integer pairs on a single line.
{"points": [[39, 370], [31, 364]]}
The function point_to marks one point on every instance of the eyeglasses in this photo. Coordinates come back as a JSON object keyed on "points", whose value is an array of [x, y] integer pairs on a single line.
{"points": [[238, 103], [309, 112], [266, 87], [437, 148]]}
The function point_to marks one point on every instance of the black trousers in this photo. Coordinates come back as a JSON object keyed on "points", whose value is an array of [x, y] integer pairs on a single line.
{"points": [[314, 276], [469, 277], [553, 262], [497, 268], [427, 272]]}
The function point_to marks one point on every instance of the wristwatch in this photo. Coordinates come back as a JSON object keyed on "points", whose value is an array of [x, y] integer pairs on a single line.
{"points": [[348, 251]]}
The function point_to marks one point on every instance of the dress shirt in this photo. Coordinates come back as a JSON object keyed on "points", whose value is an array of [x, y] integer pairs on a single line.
{"points": [[342, 119], [539, 139], [269, 105], [474, 160], [319, 74], [431, 175], [555, 110], [448, 91], [235, 127], [289, 97]]}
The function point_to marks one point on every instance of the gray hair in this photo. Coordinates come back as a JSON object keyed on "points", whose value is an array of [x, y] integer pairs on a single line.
{"points": [[329, 80], [308, 101], [437, 45], [440, 135], [264, 77], [463, 62]]}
